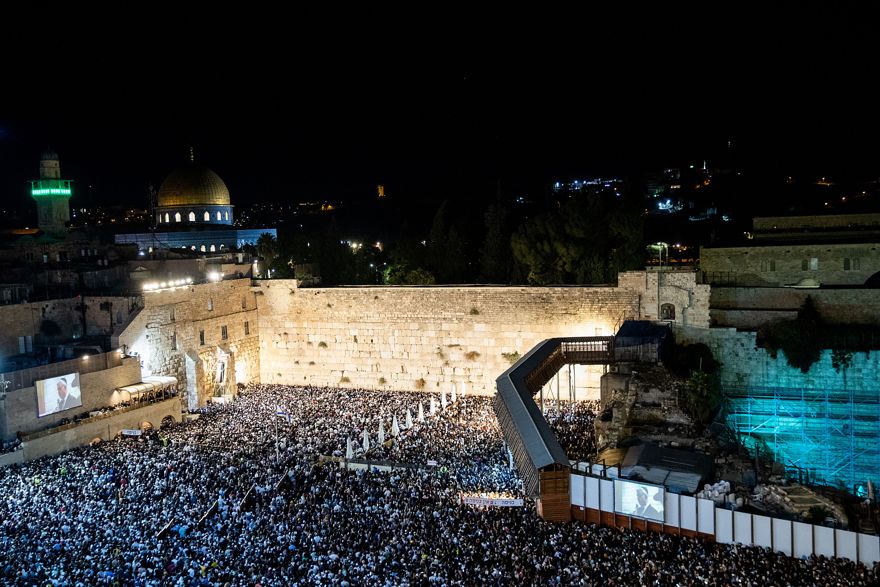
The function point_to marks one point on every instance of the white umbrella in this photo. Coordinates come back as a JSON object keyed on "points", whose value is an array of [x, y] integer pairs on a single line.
{"points": [[454, 399], [395, 428], [366, 443], [463, 388], [349, 450], [443, 399], [408, 419], [381, 432], [421, 412], [433, 409]]}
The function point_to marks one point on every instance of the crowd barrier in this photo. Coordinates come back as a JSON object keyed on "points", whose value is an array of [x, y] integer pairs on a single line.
{"points": [[593, 500]]}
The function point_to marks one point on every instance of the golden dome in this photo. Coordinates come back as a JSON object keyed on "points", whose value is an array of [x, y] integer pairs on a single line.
{"points": [[193, 185]]}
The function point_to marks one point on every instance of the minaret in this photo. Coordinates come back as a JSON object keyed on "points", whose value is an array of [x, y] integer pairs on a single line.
{"points": [[52, 195]]}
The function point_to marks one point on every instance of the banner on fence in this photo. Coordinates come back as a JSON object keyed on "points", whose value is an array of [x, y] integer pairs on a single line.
{"points": [[496, 502]]}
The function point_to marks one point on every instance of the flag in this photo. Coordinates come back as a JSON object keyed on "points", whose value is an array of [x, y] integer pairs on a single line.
{"points": [[366, 443], [349, 450], [408, 419], [279, 411], [395, 428], [381, 432], [421, 413]]}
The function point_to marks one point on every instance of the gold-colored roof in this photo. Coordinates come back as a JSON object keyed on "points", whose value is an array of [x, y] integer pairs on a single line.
{"points": [[193, 185]]}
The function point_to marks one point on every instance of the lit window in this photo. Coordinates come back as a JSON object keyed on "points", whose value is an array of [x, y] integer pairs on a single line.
{"points": [[210, 303], [814, 264], [192, 216], [219, 217], [213, 248], [227, 215], [202, 248], [177, 217], [168, 218], [207, 216]]}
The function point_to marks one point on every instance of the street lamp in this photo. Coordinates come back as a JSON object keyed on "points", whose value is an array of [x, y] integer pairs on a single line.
{"points": [[660, 247]]}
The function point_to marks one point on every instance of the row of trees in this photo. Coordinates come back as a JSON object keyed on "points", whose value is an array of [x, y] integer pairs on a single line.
{"points": [[579, 239]]}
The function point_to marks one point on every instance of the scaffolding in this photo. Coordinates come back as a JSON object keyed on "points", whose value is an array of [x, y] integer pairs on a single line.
{"points": [[828, 435]]}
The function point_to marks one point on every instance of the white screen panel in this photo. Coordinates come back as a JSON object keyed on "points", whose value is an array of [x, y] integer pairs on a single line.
{"points": [[723, 526], [823, 540], [846, 545], [606, 495], [782, 536], [592, 492], [671, 509], [762, 530], [577, 490], [869, 549], [802, 545], [688, 512], [742, 528], [706, 516]]}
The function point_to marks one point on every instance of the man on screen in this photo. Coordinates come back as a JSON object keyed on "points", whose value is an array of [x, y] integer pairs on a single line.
{"points": [[643, 508], [66, 400]]}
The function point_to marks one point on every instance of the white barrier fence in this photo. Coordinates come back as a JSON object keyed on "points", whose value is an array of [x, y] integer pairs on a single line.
{"points": [[730, 527]]}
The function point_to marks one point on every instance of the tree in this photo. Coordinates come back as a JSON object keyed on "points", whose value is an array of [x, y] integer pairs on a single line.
{"points": [[495, 252], [267, 249]]}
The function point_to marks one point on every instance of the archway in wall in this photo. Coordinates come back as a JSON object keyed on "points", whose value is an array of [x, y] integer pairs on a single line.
{"points": [[167, 422], [873, 281], [146, 426]]}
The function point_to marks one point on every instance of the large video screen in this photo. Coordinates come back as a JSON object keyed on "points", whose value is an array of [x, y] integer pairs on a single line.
{"points": [[639, 500], [58, 394]]}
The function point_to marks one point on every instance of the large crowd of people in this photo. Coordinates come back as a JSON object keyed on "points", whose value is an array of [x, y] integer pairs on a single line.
{"points": [[217, 501], [572, 423]]}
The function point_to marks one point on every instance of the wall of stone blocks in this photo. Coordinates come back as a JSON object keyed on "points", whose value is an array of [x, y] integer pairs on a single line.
{"points": [[679, 288], [745, 364], [750, 266], [854, 306], [425, 338], [25, 319], [179, 315], [18, 409]]}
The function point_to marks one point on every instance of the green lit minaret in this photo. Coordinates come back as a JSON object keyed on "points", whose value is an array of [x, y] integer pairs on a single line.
{"points": [[52, 195]]}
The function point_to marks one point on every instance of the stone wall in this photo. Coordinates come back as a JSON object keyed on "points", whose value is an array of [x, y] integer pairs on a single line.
{"points": [[431, 338], [760, 304], [778, 265], [25, 319], [18, 409], [166, 336], [678, 288], [744, 364]]}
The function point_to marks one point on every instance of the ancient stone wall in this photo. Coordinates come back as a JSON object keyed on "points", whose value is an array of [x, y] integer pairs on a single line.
{"points": [[424, 338], [743, 307], [188, 323], [778, 265]]}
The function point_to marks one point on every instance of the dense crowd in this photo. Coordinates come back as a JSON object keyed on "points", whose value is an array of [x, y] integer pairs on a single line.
{"points": [[132, 512], [572, 423]]}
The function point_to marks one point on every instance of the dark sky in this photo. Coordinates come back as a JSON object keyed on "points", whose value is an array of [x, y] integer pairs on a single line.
{"points": [[300, 107]]}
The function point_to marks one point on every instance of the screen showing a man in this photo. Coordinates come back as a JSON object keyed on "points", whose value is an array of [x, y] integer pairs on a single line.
{"points": [[58, 394], [639, 500]]}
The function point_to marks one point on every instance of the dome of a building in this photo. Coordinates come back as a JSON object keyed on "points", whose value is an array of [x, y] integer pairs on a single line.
{"points": [[193, 185]]}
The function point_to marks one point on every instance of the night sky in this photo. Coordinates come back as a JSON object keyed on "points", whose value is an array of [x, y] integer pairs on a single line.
{"points": [[309, 109]]}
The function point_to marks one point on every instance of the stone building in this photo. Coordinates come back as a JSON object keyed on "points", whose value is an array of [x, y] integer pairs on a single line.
{"points": [[801, 251]]}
